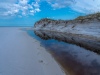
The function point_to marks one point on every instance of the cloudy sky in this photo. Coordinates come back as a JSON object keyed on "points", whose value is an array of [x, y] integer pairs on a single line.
{"points": [[27, 12]]}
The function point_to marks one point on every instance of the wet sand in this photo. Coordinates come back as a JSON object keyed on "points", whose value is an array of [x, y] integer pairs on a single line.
{"points": [[21, 54]]}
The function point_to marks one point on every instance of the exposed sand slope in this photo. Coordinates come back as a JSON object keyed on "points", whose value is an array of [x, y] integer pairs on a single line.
{"points": [[84, 30], [20, 54], [88, 27]]}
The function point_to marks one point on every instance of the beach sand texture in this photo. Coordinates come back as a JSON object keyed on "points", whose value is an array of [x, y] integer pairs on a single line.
{"points": [[20, 54]]}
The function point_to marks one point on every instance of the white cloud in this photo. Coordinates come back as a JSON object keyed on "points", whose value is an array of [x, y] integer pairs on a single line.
{"points": [[37, 9], [83, 6], [87, 6], [23, 2], [25, 7], [36, 4], [59, 3], [21, 8]]}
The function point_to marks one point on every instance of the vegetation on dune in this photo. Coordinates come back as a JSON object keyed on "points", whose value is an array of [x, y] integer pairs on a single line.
{"points": [[91, 16], [80, 19]]}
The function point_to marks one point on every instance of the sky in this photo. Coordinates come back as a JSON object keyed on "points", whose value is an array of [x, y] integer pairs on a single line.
{"points": [[27, 12]]}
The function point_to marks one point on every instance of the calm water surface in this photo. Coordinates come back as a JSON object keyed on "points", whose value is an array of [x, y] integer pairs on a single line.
{"points": [[75, 60]]}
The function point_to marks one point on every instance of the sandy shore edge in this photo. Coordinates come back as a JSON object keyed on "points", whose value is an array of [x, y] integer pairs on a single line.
{"points": [[47, 59], [43, 62]]}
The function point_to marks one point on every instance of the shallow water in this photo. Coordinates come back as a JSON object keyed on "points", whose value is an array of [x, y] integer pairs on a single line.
{"points": [[74, 59]]}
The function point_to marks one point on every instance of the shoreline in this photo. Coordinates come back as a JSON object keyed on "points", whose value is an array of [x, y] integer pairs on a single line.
{"points": [[31, 58], [74, 59], [83, 31], [88, 42]]}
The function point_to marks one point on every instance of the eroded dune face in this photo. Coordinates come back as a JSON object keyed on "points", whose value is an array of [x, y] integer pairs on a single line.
{"points": [[87, 25], [83, 31]]}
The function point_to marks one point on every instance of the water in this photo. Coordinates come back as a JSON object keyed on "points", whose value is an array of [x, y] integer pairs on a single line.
{"points": [[74, 59]]}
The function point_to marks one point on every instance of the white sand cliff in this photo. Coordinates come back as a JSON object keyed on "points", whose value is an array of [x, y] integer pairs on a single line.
{"points": [[83, 31], [20, 54]]}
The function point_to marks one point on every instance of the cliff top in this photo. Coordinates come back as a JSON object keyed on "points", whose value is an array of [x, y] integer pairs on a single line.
{"points": [[90, 16], [78, 19]]}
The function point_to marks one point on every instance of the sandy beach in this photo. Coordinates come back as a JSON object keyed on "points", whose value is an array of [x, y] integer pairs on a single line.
{"points": [[20, 54]]}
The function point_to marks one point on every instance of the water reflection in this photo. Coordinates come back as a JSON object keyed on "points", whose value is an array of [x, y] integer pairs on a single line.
{"points": [[80, 40], [74, 59]]}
